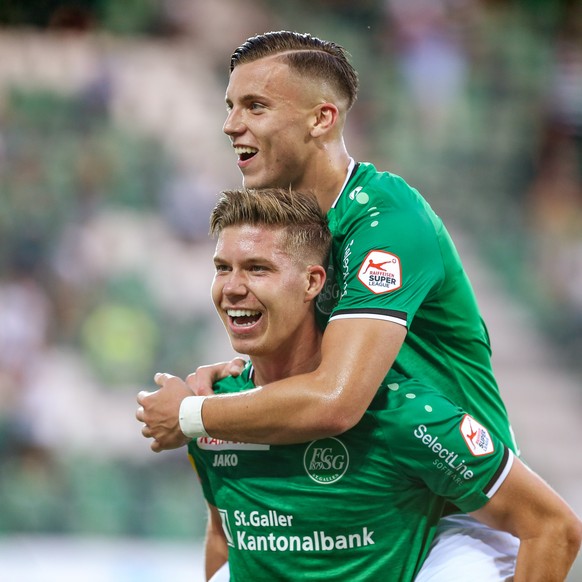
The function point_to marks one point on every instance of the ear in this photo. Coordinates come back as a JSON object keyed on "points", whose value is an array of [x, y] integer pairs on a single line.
{"points": [[326, 115], [315, 281]]}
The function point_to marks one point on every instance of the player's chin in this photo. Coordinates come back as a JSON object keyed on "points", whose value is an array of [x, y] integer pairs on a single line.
{"points": [[244, 346], [257, 180], [253, 183]]}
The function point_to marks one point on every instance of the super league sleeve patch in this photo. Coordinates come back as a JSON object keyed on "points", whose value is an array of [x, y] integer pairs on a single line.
{"points": [[476, 437], [380, 272]]}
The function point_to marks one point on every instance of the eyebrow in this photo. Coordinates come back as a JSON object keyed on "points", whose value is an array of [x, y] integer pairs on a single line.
{"points": [[247, 260], [249, 97]]}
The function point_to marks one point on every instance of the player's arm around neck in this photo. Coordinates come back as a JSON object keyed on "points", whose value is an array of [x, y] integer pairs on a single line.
{"points": [[356, 355], [550, 533]]}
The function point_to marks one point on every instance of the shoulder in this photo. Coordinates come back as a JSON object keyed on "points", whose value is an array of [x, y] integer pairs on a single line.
{"points": [[235, 384], [370, 180], [371, 195], [407, 408]]}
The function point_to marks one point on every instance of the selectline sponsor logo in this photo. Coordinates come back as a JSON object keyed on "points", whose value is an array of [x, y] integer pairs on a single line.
{"points": [[446, 459], [346, 268]]}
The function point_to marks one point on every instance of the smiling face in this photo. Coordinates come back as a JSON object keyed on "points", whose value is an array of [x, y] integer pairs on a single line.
{"points": [[262, 293], [271, 112]]}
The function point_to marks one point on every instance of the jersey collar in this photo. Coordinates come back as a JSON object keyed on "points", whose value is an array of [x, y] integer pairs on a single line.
{"points": [[351, 169]]}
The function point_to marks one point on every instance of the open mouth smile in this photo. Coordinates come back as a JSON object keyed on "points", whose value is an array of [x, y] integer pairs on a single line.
{"points": [[243, 317], [245, 153]]}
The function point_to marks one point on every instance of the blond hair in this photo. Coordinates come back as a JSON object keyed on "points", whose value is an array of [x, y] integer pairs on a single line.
{"points": [[308, 234]]}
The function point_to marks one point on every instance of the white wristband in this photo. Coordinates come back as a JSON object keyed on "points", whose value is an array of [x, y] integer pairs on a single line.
{"points": [[191, 417]]}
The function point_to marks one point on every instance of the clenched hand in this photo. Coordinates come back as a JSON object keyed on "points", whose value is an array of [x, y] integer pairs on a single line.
{"points": [[159, 411]]}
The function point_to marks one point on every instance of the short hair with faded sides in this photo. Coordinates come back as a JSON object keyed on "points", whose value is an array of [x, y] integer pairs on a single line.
{"points": [[306, 54], [308, 234]]}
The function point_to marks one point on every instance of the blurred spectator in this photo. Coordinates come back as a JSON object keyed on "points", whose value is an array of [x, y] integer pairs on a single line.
{"points": [[25, 319], [556, 192], [187, 200], [431, 57], [120, 340], [564, 103], [219, 26]]}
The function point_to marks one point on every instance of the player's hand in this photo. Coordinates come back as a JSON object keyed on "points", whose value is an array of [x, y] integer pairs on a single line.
{"points": [[201, 381], [159, 411]]}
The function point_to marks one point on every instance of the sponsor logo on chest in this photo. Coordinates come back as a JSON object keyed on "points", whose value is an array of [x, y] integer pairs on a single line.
{"points": [[212, 444], [223, 458]]}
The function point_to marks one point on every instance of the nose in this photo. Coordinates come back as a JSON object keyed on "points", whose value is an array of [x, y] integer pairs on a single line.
{"points": [[233, 124], [235, 285]]}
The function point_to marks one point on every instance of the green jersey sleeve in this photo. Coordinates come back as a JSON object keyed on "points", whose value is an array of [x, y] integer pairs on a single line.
{"points": [[386, 252], [437, 444]]}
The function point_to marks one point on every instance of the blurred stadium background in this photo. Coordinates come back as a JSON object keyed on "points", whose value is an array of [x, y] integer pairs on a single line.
{"points": [[111, 155]]}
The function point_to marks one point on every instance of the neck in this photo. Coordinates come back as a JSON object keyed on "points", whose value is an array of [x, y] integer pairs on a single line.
{"points": [[298, 356], [327, 173]]}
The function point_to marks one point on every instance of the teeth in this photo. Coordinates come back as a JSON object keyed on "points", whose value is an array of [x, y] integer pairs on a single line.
{"points": [[245, 150], [242, 312]]}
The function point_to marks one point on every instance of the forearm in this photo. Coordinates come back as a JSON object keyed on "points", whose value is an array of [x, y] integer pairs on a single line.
{"points": [[215, 551], [298, 409], [356, 355], [214, 560], [546, 559], [549, 531]]}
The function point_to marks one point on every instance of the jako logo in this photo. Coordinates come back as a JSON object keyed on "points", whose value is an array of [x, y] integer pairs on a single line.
{"points": [[326, 460]]}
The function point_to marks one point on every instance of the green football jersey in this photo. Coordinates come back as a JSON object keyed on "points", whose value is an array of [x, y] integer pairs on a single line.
{"points": [[360, 506], [393, 259]]}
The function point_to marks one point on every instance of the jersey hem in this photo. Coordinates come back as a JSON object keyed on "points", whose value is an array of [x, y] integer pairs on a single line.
{"points": [[385, 315], [500, 475]]}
